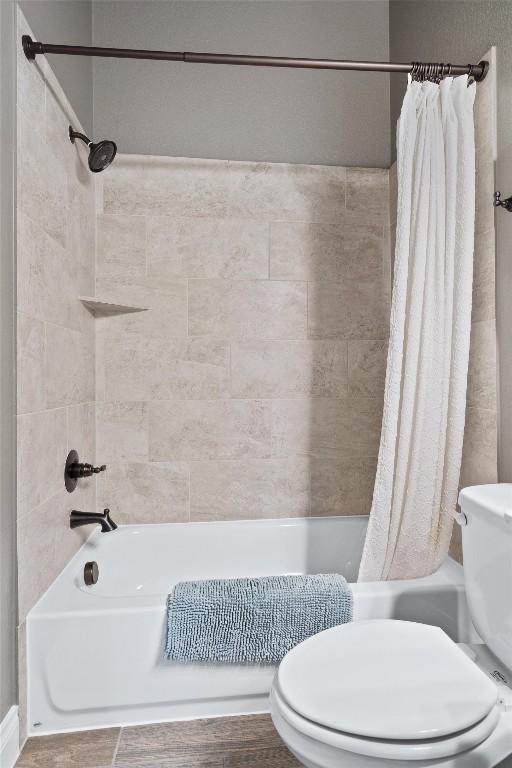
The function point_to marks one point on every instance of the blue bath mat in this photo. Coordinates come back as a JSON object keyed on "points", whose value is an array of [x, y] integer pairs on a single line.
{"points": [[252, 620]]}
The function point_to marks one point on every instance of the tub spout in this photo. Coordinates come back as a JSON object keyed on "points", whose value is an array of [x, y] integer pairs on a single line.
{"points": [[76, 519]]}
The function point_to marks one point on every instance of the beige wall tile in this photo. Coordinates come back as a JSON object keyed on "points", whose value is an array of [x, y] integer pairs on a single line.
{"points": [[209, 429], [291, 192], [120, 190], [81, 239], [484, 276], [68, 541], [187, 187], [36, 554], [146, 492], [368, 193], [289, 368], [166, 299], [69, 372], [485, 186], [137, 367], [47, 203], [48, 288], [31, 164], [31, 357], [240, 309], [57, 201], [57, 118], [207, 248], [121, 244], [255, 488], [479, 456], [367, 367], [342, 486], [167, 186], [456, 544], [326, 427], [122, 432], [354, 309], [209, 221], [30, 90], [481, 392], [347, 249], [42, 451]]}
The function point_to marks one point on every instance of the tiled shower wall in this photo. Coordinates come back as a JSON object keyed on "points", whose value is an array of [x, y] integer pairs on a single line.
{"points": [[55, 366], [253, 385]]}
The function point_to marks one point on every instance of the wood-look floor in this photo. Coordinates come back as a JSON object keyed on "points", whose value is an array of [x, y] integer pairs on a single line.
{"points": [[227, 742]]}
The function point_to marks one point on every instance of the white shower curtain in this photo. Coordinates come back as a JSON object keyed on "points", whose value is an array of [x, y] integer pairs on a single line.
{"points": [[420, 452]]}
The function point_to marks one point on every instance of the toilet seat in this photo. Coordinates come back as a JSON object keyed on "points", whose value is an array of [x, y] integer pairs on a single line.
{"points": [[387, 688], [431, 749]]}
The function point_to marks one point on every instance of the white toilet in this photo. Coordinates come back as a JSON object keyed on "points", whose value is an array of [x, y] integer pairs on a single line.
{"points": [[398, 693]]}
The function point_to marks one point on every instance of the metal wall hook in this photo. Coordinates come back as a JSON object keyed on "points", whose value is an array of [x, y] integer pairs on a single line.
{"points": [[506, 203]]}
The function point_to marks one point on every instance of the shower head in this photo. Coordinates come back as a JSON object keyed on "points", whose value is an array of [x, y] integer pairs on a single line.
{"points": [[100, 154]]}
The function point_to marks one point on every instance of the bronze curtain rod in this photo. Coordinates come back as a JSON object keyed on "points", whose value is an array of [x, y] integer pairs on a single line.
{"points": [[33, 49]]}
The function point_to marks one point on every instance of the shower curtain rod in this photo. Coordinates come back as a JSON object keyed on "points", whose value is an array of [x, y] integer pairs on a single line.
{"points": [[33, 48]]}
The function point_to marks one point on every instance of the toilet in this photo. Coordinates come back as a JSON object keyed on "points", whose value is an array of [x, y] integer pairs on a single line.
{"points": [[397, 693]]}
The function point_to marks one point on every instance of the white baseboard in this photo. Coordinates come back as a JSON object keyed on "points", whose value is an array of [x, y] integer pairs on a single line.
{"points": [[9, 739]]}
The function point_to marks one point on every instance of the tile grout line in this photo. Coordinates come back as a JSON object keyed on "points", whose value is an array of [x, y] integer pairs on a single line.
{"points": [[116, 748]]}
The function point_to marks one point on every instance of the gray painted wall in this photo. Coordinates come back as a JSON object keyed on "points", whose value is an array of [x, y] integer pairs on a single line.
{"points": [[8, 687], [462, 30], [67, 21], [244, 113]]}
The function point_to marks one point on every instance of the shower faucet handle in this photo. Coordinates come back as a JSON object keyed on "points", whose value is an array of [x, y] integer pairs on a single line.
{"points": [[83, 469], [76, 470]]}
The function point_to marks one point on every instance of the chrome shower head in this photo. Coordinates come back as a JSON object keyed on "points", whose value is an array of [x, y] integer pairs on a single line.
{"points": [[100, 154]]}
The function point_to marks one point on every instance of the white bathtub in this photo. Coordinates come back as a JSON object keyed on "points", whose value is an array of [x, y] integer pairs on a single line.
{"points": [[95, 653]]}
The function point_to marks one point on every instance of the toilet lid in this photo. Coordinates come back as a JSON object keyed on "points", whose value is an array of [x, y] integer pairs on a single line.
{"points": [[386, 679]]}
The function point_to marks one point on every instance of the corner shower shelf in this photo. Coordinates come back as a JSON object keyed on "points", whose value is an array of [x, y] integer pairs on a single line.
{"points": [[103, 308]]}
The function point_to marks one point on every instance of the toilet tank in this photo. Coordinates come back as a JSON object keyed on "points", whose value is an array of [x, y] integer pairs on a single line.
{"points": [[487, 550]]}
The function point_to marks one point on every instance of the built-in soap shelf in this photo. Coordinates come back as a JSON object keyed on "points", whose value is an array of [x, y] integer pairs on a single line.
{"points": [[104, 308]]}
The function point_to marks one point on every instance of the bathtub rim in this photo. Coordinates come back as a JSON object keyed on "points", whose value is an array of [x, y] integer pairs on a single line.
{"points": [[450, 574], [66, 584]]}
